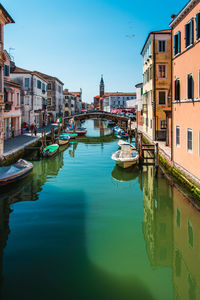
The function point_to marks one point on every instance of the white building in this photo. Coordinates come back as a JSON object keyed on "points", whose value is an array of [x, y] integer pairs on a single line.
{"points": [[33, 95], [117, 100]]}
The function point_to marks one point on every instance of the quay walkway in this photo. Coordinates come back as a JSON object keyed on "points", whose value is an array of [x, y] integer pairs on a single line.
{"points": [[18, 143]]}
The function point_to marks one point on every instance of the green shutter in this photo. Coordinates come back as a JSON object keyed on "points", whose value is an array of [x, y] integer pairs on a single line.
{"points": [[198, 26], [179, 42], [191, 32], [186, 36], [174, 45]]}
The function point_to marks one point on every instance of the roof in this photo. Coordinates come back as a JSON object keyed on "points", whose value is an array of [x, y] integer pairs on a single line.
{"points": [[9, 19], [66, 92], [184, 10], [118, 94], [48, 77], [18, 70], [165, 31], [139, 85]]}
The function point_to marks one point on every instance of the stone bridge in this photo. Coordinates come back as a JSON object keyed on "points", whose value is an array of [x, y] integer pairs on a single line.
{"points": [[122, 122]]}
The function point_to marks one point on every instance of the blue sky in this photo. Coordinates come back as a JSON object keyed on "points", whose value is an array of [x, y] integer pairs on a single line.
{"points": [[79, 40]]}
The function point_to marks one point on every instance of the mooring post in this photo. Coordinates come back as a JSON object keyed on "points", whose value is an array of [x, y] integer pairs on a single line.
{"points": [[45, 138], [52, 135], [136, 138]]}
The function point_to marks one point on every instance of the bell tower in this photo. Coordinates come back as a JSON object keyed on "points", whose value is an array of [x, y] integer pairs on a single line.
{"points": [[101, 87]]}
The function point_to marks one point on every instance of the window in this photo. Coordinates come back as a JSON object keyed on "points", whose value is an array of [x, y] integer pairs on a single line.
{"points": [[39, 84], [43, 87], [190, 86], [162, 46], [189, 140], [49, 101], [26, 82], [177, 43], [6, 70], [27, 100], [198, 26], [177, 136], [49, 86], [17, 99], [150, 74], [162, 71], [189, 33], [162, 97], [163, 124], [177, 90]]}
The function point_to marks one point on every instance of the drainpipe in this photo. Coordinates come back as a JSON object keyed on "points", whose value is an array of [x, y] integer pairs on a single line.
{"points": [[154, 86]]}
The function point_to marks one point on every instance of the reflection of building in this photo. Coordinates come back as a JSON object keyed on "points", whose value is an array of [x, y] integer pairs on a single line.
{"points": [[4, 232], [158, 221], [186, 258]]}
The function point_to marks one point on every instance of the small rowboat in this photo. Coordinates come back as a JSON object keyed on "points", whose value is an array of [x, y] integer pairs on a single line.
{"points": [[15, 172], [50, 150], [64, 140], [126, 157]]}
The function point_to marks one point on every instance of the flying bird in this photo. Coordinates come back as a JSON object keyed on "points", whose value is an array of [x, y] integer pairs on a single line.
{"points": [[130, 36]]}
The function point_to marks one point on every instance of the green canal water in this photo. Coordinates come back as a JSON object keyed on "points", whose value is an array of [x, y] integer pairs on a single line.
{"points": [[81, 228]]}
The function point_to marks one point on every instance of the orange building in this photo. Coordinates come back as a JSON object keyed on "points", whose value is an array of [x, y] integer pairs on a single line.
{"points": [[186, 90]]}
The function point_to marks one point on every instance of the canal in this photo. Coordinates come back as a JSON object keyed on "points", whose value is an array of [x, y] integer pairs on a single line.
{"points": [[81, 228]]}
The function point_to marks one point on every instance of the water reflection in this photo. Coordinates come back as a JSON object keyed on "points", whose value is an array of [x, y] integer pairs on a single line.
{"points": [[29, 188], [124, 175], [171, 230]]}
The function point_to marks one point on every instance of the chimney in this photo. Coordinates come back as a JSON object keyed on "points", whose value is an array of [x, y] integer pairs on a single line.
{"points": [[173, 17]]}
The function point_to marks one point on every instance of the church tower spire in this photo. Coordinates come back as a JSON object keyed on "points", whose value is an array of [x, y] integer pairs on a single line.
{"points": [[102, 86]]}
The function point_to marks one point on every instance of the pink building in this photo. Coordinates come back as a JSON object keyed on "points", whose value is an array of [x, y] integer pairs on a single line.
{"points": [[186, 90], [12, 111]]}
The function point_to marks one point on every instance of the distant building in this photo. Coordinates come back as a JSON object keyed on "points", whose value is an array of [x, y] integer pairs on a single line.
{"points": [[139, 107], [33, 95], [156, 55], [54, 96], [118, 100], [12, 100], [98, 100], [186, 90], [5, 19], [72, 102]]}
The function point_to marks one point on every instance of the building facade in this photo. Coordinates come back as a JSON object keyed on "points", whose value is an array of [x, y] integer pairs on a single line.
{"points": [[54, 96], [139, 107], [118, 100], [5, 19], [156, 55], [72, 103], [186, 89], [12, 100], [33, 95]]}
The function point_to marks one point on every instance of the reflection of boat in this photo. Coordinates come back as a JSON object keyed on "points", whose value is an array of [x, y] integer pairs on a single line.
{"points": [[124, 175], [126, 157], [50, 150], [71, 135], [64, 140], [15, 172]]}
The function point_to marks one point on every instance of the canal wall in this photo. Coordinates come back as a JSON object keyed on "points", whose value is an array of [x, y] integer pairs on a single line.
{"points": [[185, 179]]}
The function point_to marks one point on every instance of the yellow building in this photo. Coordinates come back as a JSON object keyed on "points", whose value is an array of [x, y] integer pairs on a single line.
{"points": [[156, 55]]}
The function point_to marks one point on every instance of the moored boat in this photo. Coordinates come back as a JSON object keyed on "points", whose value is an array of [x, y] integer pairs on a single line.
{"points": [[63, 140], [50, 150], [15, 172], [71, 135], [122, 142], [126, 157], [79, 132]]}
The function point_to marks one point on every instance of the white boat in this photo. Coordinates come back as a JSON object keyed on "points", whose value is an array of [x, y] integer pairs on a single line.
{"points": [[15, 172], [122, 142], [126, 157]]}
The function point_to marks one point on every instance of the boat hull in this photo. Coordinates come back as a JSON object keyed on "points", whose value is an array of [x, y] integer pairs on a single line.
{"points": [[80, 133], [18, 175], [126, 164], [63, 142]]}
